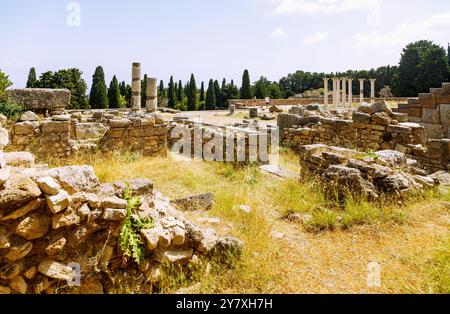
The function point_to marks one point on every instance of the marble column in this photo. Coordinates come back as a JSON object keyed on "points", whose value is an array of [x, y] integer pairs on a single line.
{"points": [[325, 92], [372, 90], [344, 92], [339, 92], [151, 103], [350, 93], [334, 91], [361, 90], [136, 87]]}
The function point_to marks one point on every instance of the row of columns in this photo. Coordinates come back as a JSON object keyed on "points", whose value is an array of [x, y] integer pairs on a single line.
{"points": [[151, 102], [340, 93]]}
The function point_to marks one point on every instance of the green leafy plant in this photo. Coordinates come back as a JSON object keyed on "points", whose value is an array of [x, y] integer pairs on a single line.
{"points": [[130, 240], [11, 109]]}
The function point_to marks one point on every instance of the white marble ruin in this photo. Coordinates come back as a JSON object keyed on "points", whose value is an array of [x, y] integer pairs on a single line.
{"points": [[342, 98], [151, 101]]}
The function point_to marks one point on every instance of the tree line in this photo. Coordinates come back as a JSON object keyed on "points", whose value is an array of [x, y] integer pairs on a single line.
{"points": [[422, 65]]}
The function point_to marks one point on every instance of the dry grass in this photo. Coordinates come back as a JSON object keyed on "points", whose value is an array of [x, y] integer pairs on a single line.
{"points": [[283, 257]]}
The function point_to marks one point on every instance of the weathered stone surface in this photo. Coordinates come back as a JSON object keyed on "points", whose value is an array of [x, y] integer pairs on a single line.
{"points": [[381, 118], [431, 116], [2, 160], [39, 99], [5, 290], [29, 116], [119, 123], [114, 214], [55, 127], [55, 270], [151, 239], [86, 131], [361, 117], [113, 202], [24, 128], [137, 187], [59, 202], [24, 210], [75, 178], [36, 225], [201, 202], [56, 246], [392, 157], [61, 117], [10, 271], [48, 185], [174, 256], [18, 190], [4, 138], [19, 252], [433, 131], [20, 159], [19, 285], [65, 219], [4, 176], [394, 183]]}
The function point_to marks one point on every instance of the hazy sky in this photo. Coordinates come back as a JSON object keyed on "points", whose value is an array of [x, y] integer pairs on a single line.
{"points": [[213, 38]]}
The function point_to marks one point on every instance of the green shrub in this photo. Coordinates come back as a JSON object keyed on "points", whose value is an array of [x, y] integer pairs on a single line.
{"points": [[11, 109], [4, 84]]}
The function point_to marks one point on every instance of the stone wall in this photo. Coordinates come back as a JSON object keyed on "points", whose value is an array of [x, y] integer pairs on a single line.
{"points": [[432, 110], [291, 102], [244, 143], [54, 222], [108, 130], [41, 99], [147, 135], [373, 128]]}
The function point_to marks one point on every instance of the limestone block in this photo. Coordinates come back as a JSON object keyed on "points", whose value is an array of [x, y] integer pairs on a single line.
{"points": [[18, 252], [40, 99], [4, 138], [85, 131], [59, 202], [24, 128], [114, 214], [55, 127], [431, 116], [65, 219], [48, 185], [34, 226], [433, 130], [55, 270], [20, 159], [113, 202], [445, 114]]}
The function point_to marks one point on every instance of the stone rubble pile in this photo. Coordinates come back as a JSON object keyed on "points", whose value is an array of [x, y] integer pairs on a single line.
{"points": [[387, 173], [53, 218]]}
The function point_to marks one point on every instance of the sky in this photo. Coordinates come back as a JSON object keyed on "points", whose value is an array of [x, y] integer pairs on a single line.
{"points": [[212, 38]]}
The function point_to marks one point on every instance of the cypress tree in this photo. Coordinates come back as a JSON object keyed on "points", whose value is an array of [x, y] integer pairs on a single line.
{"points": [[144, 91], [210, 102], [161, 90], [246, 91], [202, 92], [98, 98], [171, 93], [217, 93], [192, 94], [180, 92], [114, 93], [32, 80]]}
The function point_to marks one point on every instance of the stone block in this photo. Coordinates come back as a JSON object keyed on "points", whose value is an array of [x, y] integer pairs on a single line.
{"points": [[415, 112], [433, 131], [23, 128], [442, 99], [40, 99], [431, 116], [426, 100], [56, 127], [445, 114]]}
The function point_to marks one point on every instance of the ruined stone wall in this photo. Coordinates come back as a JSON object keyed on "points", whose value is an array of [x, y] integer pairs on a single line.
{"points": [[248, 144], [370, 132], [146, 135], [432, 110], [41, 99], [86, 131]]}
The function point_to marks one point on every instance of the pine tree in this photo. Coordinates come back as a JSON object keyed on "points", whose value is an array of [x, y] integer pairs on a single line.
{"points": [[192, 94], [210, 102], [246, 91], [114, 93], [171, 93], [98, 98], [180, 92], [202, 92], [32, 80]]}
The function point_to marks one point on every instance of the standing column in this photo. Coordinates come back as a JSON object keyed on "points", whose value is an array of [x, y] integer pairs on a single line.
{"points": [[344, 91], [334, 91], [339, 99], [136, 87], [361, 90], [325, 92], [372, 90], [350, 93], [151, 103]]}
